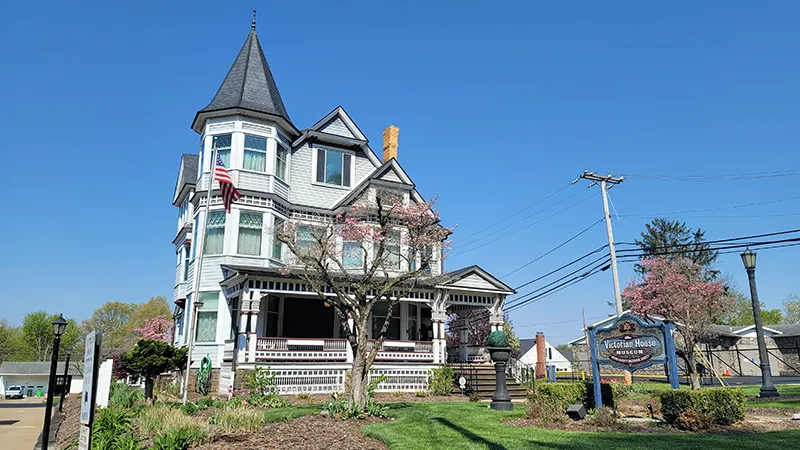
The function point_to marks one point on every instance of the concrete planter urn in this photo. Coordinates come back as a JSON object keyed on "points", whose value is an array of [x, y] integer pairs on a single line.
{"points": [[500, 353]]}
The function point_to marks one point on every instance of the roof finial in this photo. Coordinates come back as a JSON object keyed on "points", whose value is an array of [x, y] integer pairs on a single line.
{"points": [[253, 25]]}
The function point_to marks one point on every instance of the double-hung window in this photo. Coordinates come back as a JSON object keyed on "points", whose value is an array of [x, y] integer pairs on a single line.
{"points": [[352, 254], [250, 223], [306, 239], [255, 153], [277, 245], [280, 161], [185, 262], [206, 330], [391, 250], [333, 167], [215, 233], [222, 144]]}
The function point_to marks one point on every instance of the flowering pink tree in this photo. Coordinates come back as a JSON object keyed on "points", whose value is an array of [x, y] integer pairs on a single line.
{"points": [[156, 328], [379, 249], [479, 329], [677, 290]]}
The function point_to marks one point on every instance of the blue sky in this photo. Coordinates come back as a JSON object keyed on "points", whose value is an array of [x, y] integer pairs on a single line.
{"points": [[498, 108]]}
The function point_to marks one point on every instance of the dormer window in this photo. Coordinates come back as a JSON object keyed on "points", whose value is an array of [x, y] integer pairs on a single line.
{"points": [[333, 167], [222, 144], [255, 153]]}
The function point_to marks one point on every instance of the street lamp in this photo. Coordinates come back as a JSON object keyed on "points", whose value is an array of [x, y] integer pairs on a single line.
{"points": [[59, 325], [65, 386], [767, 389]]}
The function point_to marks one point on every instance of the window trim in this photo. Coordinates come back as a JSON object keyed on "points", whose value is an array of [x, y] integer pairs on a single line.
{"points": [[205, 238], [212, 164], [239, 232], [286, 150], [265, 152], [315, 166]]}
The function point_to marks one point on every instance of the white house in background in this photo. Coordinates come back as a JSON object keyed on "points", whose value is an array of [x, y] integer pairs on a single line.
{"points": [[33, 377], [252, 314], [529, 354]]}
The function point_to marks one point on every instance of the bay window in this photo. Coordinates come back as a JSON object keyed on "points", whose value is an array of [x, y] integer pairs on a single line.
{"points": [[185, 262], [206, 329], [306, 239], [277, 245], [215, 233], [250, 224], [222, 144], [255, 153], [333, 167]]}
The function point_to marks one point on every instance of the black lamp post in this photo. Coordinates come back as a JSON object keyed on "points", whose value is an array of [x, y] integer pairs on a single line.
{"points": [[65, 387], [59, 325], [767, 389]]}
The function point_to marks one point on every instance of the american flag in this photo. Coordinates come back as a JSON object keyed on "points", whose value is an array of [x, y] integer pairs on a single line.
{"points": [[229, 192]]}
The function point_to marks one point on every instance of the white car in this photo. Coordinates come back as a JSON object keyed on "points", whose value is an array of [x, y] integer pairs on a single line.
{"points": [[13, 392]]}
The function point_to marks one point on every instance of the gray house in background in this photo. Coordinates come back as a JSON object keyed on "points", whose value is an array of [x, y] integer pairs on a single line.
{"points": [[33, 376]]}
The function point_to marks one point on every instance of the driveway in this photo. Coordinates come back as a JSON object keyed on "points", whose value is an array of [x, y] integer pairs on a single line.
{"points": [[20, 423]]}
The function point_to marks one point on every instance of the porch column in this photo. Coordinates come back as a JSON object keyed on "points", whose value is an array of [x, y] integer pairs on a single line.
{"points": [[350, 325], [251, 342], [241, 338], [438, 317], [496, 317]]}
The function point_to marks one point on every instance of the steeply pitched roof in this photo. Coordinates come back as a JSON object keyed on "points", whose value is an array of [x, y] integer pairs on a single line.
{"points": [[454, 276], [36, 368], [248, 87], [525, 345], [187, 174]]}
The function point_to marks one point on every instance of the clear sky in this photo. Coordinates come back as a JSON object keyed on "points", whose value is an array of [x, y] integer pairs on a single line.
{"points": [[499, 105]]}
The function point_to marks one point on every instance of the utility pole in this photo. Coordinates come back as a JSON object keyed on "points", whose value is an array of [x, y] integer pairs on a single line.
{"points": [[605, 181]]}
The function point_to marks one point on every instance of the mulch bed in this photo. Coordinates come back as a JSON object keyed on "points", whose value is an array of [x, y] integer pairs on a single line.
{"points": [[306, 433], [404, 397], [71, 426]]}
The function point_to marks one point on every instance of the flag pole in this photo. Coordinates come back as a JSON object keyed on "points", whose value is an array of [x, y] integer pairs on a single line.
{"points": [[201, 233]]}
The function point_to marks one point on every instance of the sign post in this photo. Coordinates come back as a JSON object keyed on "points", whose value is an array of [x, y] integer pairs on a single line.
{"points": [[630, 344], [91, 358]]}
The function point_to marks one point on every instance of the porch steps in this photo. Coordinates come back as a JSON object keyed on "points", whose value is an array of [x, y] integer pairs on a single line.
{"points": [[484, 380]]}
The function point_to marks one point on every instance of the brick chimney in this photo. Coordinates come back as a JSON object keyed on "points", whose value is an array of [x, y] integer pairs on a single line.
{"points": [[390, 142], [541, 356]]}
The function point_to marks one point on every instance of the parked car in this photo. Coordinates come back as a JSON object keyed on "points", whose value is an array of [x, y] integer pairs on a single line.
{"points": [[14, 392]]}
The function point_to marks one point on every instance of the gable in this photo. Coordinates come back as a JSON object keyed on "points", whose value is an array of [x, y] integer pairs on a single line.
{"points": [[474, 281], [391, 176], [337, 127], [475, 278]]}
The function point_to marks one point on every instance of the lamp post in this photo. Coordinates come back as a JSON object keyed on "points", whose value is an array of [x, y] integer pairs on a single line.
{"points": [[59, 325], [65, 387], [767, 389]]}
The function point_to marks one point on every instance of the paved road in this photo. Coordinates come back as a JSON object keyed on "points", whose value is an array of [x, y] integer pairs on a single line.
{"points": [[20, 423]]}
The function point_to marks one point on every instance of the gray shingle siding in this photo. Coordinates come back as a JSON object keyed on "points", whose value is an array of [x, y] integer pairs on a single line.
{"points": [[337, 127]]}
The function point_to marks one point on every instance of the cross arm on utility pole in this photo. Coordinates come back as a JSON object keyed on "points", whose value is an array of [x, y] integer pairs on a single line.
{"points": [[606, 178]]}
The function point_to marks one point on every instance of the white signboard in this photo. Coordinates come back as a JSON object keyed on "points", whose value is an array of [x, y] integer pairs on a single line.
{"points": [[87, 396], [83, 439]]}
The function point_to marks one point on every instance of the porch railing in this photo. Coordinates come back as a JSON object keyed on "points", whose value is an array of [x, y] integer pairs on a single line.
{"points": [[292, 349], [404, 350]]}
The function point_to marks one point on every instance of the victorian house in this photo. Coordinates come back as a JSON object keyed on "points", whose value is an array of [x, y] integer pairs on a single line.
{"points": [[251, 314]]}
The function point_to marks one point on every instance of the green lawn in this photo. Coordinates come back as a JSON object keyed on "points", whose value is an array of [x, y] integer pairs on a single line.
{"points": [[473, 426]]}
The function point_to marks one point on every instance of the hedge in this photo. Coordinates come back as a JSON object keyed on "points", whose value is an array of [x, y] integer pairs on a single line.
{"points": [[724, 406], [564, 394]]}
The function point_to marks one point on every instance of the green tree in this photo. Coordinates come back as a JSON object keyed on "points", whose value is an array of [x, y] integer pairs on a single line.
{"points": [[114, 319], [741, 312], [674, 240], [145, 312], [791, 309], [37, 336], [150, 358], [10, 348]]}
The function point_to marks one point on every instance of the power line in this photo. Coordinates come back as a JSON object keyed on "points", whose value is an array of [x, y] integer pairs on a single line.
{"points": [[560, 268], [717, 241], [520, 229], [721, 208], [553, 249], [559, 288], [516, 213], [715, 178], [461, 244], [712, 249], [603, 263]]}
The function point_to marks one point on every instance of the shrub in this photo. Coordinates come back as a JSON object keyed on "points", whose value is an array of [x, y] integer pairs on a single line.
{"points": [[497, 338], [474, 397], [421, 394], [238, 418], [304, 396], [722, 406], [262, 389], [397, 394], [549, 401], [172, 423], [602, 417], [208, 402], [372, 386], [124, 396], [694, 420], [375, 409], [440, 380]]}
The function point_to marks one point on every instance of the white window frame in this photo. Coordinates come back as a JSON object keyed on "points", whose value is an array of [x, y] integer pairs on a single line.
{"points": [[239, 232], [314, 163], [265, 151], [279, 147]]}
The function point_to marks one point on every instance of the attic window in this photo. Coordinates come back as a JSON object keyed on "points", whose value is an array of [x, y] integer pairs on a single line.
{"points": [[333, 167]]}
